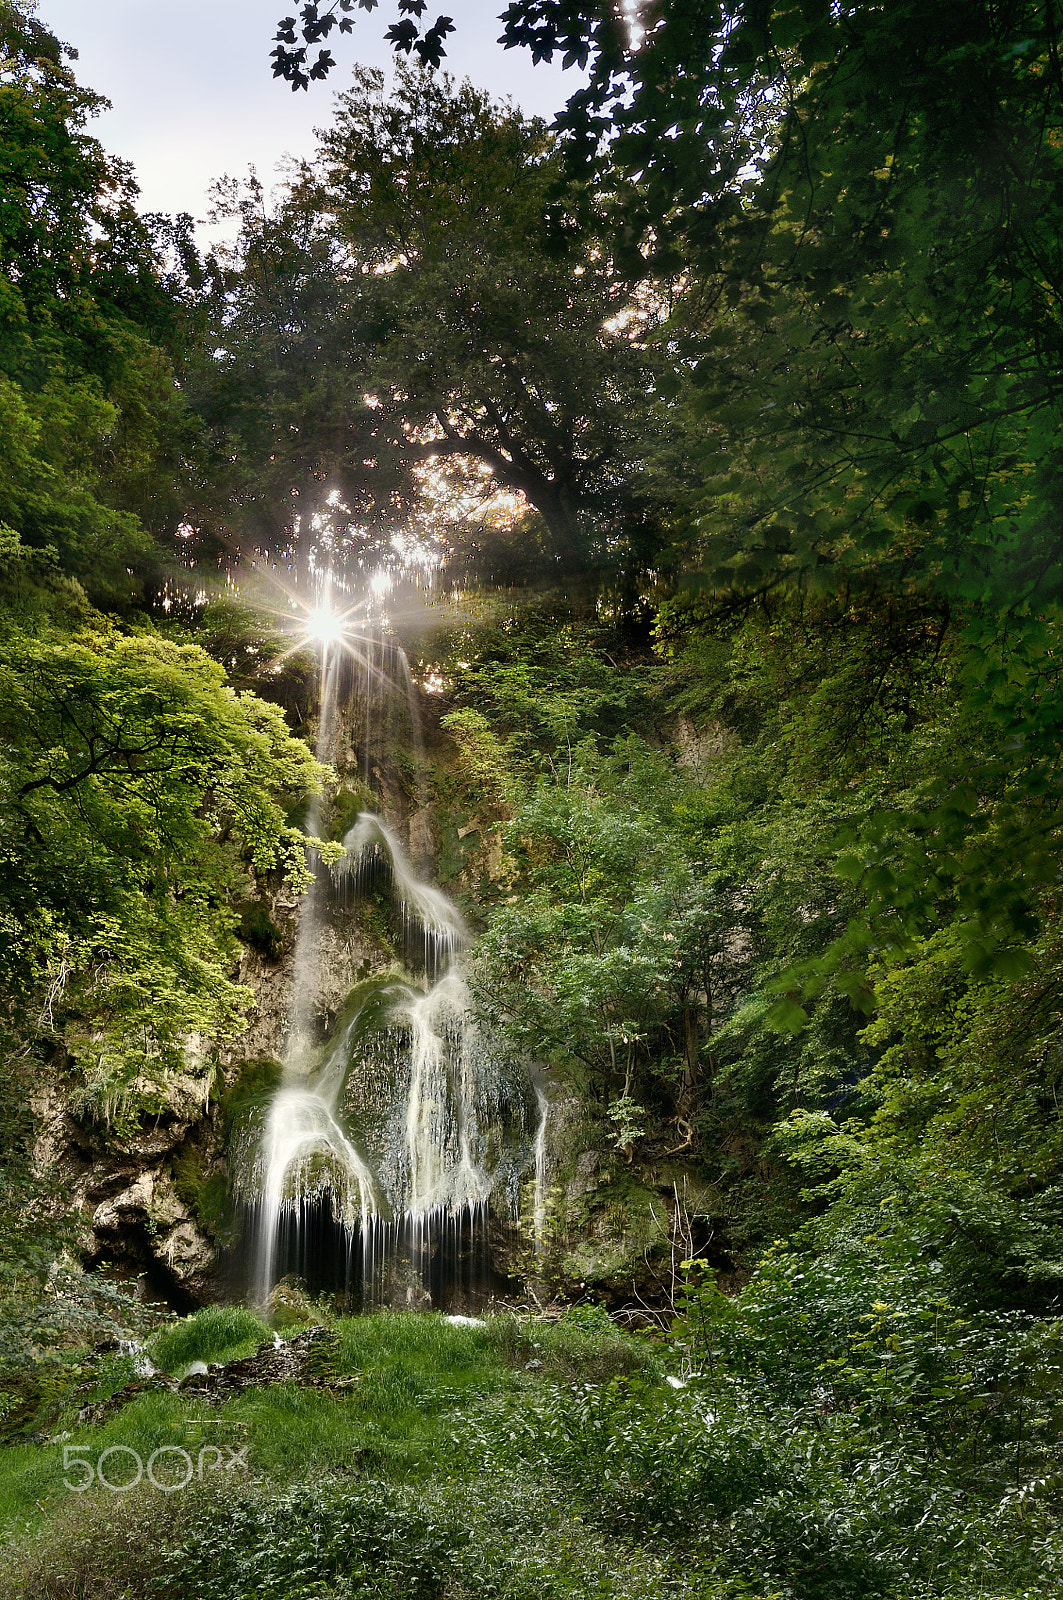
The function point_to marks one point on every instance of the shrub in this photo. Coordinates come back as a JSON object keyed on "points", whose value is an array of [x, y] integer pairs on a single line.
{"points": [[583, 1344]]}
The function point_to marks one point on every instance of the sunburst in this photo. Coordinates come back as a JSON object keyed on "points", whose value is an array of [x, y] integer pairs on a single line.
{"points": [[326, 627]]}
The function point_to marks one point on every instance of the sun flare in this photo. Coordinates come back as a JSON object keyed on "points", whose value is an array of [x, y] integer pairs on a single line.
{"points": [[324, 625]]}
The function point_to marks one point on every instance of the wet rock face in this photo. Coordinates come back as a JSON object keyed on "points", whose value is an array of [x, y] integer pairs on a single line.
{"points": [[137, 1196], [605, 1227], [609, 1229], [134, 1215], [147, 1229], [423, 839], [121, 1191]]}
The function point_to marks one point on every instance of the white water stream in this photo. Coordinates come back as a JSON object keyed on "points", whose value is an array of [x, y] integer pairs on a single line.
{"points": [[390, 1146], [425, 910]]}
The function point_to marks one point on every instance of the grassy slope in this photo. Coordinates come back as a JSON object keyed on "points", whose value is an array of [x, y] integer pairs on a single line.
{"points": [[398, 1430], [514, 1460]]}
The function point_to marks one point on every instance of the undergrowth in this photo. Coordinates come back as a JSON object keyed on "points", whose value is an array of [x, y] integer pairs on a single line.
{"points": [[532, 1460]]}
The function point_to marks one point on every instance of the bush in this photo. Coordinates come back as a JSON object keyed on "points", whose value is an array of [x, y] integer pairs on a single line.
{"points": [[975, 1395], [481, 1540], [640, 1460]]}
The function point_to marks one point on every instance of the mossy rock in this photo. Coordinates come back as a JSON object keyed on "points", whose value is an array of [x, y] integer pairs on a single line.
{"points": [[623, 1237], [290, 1306], [204, 1189], [409, 774], [251, 1085], [199, 1170], [258, 930], [346, 806], [373, 919]]}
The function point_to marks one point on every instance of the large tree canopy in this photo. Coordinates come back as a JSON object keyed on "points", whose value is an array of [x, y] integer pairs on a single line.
{"points": [[424, 297], [793, 156]]}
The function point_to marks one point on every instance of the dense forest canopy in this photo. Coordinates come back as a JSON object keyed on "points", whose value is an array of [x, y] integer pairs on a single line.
{"points": [[404, 304], [799, 420], [729, 410]]}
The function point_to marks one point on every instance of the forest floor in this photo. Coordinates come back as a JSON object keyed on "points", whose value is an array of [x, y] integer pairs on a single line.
{"points": [[349, 1460], [415, 1456]]}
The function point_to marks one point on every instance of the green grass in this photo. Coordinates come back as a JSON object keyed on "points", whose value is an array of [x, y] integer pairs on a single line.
{"points": [[406, 1380], [583, 1347], [220, 1333], [404, 1384]]}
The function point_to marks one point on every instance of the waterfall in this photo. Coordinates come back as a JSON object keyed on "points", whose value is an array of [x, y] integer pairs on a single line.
{"points": [[540, 1148], [304, 958], [306, 1155], [389, 1153], [426, 912]]}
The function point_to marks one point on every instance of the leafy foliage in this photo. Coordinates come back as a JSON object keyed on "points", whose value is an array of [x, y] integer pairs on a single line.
{"points": [[419, 319], [135, 779], [89, 416], [140, 795], [315, 23]]}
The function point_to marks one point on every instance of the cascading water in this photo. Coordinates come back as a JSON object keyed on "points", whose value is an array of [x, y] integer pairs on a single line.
{"points": [[388, 1153], [540, 1156], [427, 914]]}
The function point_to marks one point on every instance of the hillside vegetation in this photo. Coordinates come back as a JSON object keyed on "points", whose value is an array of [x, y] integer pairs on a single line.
{"points": [[725, 419]]}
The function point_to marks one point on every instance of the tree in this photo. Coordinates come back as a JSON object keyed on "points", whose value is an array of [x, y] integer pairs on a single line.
{"points": [[873, 327], [138, 793], [410, 309], [290, 58], [90, 419]]}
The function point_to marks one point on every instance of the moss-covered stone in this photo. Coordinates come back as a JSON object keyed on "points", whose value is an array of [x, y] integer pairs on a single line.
{"points": [[258, 931], [202, 1185], [251, 1084], [620, 1242], [346, 806]]}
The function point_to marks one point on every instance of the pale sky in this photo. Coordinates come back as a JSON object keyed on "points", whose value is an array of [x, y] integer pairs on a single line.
{"points": [[193, 96]]}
